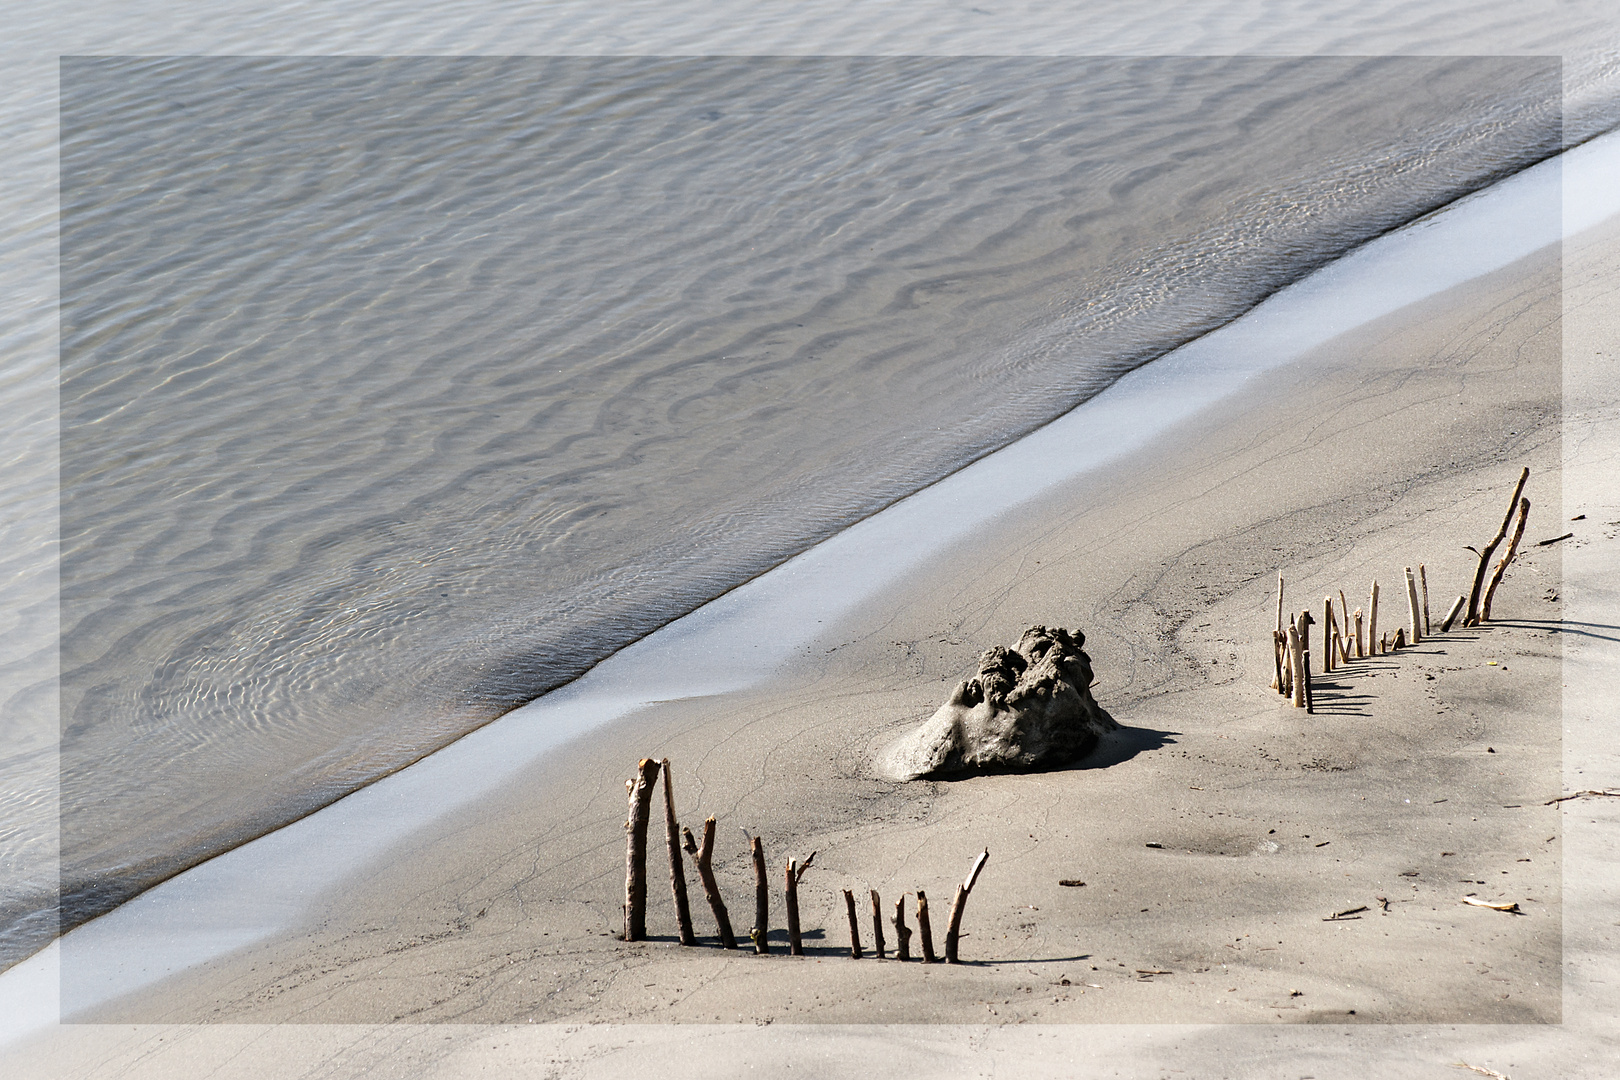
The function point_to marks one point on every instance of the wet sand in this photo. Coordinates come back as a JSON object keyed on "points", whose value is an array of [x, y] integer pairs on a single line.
{"points": [[1421, 778]]}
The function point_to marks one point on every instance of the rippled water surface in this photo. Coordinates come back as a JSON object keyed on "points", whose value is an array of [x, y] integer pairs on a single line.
{"points": [[396, 392]]}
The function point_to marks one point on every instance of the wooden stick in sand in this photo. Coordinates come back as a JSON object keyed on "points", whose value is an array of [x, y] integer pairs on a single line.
{"points": [[1305, 668], [1400, 638], [1372, 616], [1296, 681], [1414, 614], [711, 888], [1423, 583], [635, 855], [959, 904], [854, 926], [762, 898], [1279, 602], [1472, 618], [677, 866], [790, 895], [1361, 650], [1451, 615], [925, 931], [1501, 567], [877, 926], [1327, 635], [902, 932]]}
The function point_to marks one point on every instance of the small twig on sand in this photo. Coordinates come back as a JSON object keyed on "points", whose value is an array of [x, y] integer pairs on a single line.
{"points": [[1554, 540], [635, 855], [1347, 915], [1511, 908], [1581, 794], [959, 904], [1482, 1070], [1451, 616]]}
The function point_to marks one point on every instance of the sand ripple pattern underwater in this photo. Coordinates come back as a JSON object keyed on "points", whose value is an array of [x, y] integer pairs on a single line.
{"points": [[396, 392]]}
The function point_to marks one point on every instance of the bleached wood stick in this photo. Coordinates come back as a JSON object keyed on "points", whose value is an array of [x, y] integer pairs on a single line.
{"points": [[1423, 582], [959, 904], [1361, 649], [1372, 614], [1294, 653], [1279, 602], [640, 791], [1414, 614], [711, 888], [1344, 614], [925, 930], [877, 926], [1453, 613], [1485, 556], [854, 926], [1501, 567], [1278, 646], [902, 932], [762, 898]]}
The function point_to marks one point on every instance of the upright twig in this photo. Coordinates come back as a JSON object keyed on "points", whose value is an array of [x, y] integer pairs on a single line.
{"points": [[762, 898], [1472, 617], [854, 926], [790, 898], [1414, 614], [635, 855], [1501, 567], [711, 888], [925, 930], [677, 865], [1279, 602], [1327, 635], [1372, 616], [902, 932], [1361, 650], [1295, 653], [1279, 646], [877, 926], [959, 904], [1305, 667], [1423, 582]]}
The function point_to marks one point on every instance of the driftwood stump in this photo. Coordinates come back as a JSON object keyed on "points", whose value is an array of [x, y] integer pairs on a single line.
{"points": [[790, 895], [1414, 620], [854, 926], [677, 866], [877, 926], [1372, 617], [1451, 616], [1423, 584], [635, 854], [959, 904]]}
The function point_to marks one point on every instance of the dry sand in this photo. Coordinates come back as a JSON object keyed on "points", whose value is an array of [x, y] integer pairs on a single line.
{"points": [[1421, 778]]}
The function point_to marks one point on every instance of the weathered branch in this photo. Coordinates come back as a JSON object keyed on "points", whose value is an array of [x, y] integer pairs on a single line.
{"points": [[1414, 617], [959, 904], [677, 865], [1485, 556], [1372, 617], [762, 898], [1423, 582], [635, 854], [877, 926], [902, 932], [711, 888], [790, 896], [925, 930], [1361, 644], [854, 926], [1501, 567]]}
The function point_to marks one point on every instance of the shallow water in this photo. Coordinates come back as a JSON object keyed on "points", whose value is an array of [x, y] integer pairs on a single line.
{"points": [[396, 392]]}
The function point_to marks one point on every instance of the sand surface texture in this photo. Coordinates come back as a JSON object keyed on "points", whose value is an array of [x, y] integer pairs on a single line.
{"points": [[1216, 834]]}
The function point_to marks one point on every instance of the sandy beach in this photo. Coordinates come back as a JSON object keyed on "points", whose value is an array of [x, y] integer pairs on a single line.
{"points": [[1216, 834]]}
